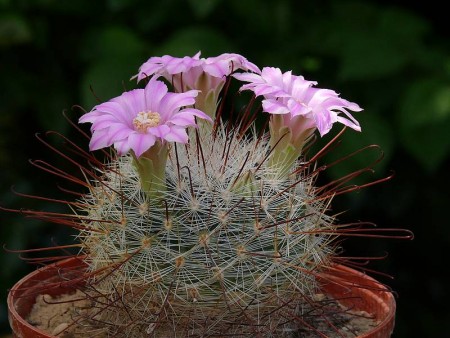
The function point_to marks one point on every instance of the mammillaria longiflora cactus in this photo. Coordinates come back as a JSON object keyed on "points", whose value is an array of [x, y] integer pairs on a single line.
{"points": [[205, 218], [200, 226]]}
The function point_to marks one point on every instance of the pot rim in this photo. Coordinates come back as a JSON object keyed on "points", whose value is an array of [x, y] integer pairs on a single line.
{"points": [[336, 278]]}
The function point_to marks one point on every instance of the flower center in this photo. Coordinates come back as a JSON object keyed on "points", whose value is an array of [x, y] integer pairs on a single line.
{"points": [[145, 120]]}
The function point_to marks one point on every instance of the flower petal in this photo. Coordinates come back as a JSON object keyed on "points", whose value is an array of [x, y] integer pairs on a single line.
{"points": [[167, 65], [177, 134], [122, 147], [183, 119], [140, 142], [160, 131], [174, 101], [118, 131], [154, 91], [99, 139], [131, 103], [113, 122], [104, 121], [287, 93], [248, 77], [273, 106]]}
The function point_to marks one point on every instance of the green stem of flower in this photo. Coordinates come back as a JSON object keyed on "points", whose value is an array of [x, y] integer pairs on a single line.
{"points": [[287, 145], [151, 167]]}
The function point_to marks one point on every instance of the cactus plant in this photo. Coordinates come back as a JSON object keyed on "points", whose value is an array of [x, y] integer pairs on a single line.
{"points": [[199, 225]]}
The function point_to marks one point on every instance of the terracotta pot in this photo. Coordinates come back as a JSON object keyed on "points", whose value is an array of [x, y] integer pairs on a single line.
{"points": [[352, 288], [360, 292], [53, 279]]}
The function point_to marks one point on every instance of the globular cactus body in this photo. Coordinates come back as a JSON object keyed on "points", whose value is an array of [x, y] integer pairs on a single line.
{"points": [[227, 248]]}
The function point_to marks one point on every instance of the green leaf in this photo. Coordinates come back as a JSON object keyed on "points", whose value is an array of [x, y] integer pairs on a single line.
{"points": [[120, 5], [116, 53], [107, 79], [81, 8], [373, 41], [112, 42], [13, 30], [189, 41], [50, 110], [202, 8], [424, 121]]}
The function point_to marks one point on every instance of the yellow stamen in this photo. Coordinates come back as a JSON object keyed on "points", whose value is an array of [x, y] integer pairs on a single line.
{"points": [[145, 120]]}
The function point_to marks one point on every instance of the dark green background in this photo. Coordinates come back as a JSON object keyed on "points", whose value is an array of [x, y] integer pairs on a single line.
{"points": [[392, 59]]}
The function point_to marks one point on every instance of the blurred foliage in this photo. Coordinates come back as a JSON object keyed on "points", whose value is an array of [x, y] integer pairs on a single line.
{"points": [[391, 59]]}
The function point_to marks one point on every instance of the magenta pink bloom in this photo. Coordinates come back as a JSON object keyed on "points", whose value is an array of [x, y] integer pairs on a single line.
{"points": [[294, 96], [185, 73], [138, 118]]}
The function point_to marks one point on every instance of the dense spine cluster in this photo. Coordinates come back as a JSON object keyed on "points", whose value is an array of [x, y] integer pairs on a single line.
{"points": [[228, 241]]}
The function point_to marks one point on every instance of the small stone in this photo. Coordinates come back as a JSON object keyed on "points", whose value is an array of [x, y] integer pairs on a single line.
{"points": [[319, 297], [61, 328]]}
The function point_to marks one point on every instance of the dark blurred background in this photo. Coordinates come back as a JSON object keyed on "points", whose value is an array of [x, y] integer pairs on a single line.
{"points": [[391, 58]]}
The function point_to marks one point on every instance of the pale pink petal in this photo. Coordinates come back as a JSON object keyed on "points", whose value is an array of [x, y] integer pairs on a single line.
{"points": [[285, 93], [122, 147], [177, 134], [174, 101], [248, 77], [180, 65], [183, 119], [113, 121], [187, 80], [218, 69], [118, 131], [154, 91], [99, 139], [159, 131], [90, 117], [152, 66], [167, 65], [344, 104], [297, 108], [324, 120], [271, 82], [316, 96], [131, 103], [186, 117], [273, 76], [352, 123], [299, 124], [196, 112], [300, 88], [274, 107], [111, 107], [224, 64], [140, 142], [105, 121], [244, 64]]}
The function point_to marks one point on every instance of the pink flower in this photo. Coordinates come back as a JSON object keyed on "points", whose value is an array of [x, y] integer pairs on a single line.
{"points": [[167, 66], [294, 96], [208, 75], [187, 72], [138, 118], [224, 64]]}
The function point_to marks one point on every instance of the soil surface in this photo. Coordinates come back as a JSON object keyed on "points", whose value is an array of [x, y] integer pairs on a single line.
{"points": [[66, 316]]}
